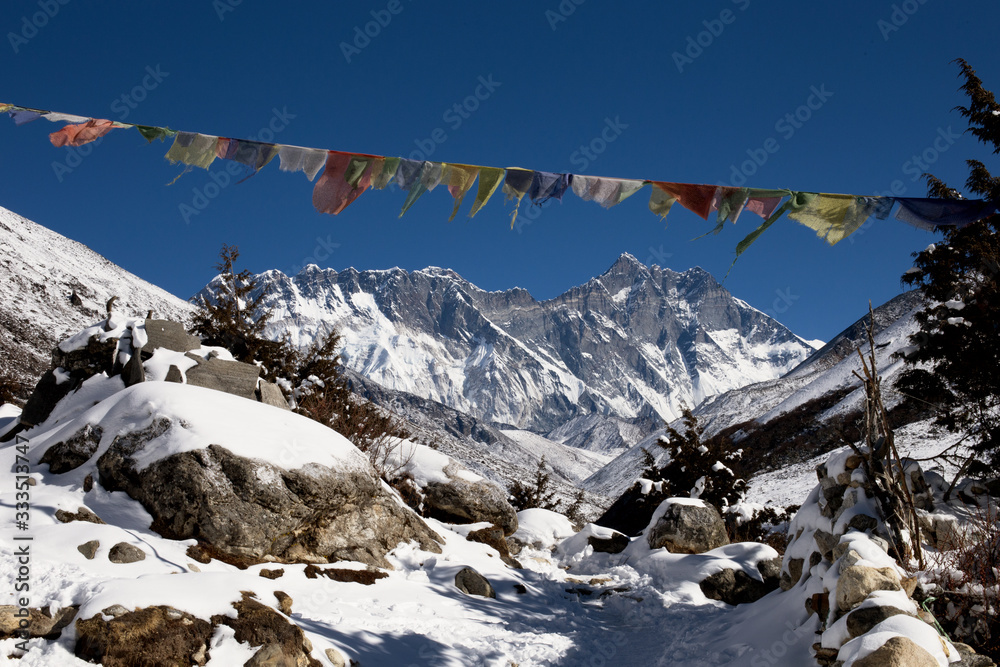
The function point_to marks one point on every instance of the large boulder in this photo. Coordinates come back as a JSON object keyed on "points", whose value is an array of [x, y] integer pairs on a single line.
{"points": [[687, 526], [898, 651], [242, 506], [857, 582], [168, 335], [450, 492]]}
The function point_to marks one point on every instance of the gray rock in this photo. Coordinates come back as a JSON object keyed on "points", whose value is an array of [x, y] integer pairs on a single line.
{"points": [[826, 543], [737, 587], [41, 622], [133, 372], [862, 523], [123, 552], [270, 394], [898, 652], [89, 549], [860, 621], [857, 582], [253, 510], [688, 529], [462, 501], [610, 545], [43, 399], [82, 514], [471, 582], [794, 573], [174, 375], [74, 451], [232, 377], [169, 335]]}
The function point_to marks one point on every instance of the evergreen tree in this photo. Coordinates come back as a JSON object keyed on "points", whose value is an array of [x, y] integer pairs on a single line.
{"points": [[538, 494], [699, 468], [235, 317], [954, 357]]}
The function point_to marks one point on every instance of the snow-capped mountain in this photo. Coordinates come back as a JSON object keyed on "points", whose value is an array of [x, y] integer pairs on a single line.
{"points": [[51, 285], [635, 342], [830, 369]]}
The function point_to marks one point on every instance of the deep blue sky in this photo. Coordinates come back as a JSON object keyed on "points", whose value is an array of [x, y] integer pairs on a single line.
{"points": [[889, 95]]}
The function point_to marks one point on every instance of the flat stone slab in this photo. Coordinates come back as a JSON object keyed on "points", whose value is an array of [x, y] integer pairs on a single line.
{"points": [[169, 335], [232, 377]]}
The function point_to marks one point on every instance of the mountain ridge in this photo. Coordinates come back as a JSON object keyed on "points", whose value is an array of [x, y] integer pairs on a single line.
{"points": [[633, 342]]}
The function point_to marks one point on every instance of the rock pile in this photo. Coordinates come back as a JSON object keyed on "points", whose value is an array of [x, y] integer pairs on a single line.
{"points": [[839, 558]]}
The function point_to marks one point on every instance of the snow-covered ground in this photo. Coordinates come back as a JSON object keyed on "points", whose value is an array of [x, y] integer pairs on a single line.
{"points": [[568, 606]]}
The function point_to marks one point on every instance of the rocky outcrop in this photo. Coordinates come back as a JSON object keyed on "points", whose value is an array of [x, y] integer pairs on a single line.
{"points": [[687, 526], [461, 501], [737, 587], [251, 509], [121, 348], [30, 622], [163, 635], [471, 582], [152, 636], [838, 557], [654, 325]]}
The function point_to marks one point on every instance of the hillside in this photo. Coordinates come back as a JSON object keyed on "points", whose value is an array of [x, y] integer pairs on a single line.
{"points": [[52, 285]]}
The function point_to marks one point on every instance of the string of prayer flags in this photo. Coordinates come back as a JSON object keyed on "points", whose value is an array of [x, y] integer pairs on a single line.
{"points": [[515, 185], [345, 176], [193, 149], [308, 160], [81, 133], [460, 179], [926, 213], [835, 217], [151, 134], [489, 180], [546, 185], [388, 173], [660, 201], [694, 197], [425, 178]]}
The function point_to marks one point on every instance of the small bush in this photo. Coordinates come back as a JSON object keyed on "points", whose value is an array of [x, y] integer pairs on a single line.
{"points": [[767, 526], [965, 578], [536, 495]]}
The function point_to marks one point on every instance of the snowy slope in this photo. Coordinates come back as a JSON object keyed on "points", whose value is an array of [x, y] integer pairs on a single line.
{"points": [[564, 608], [636, 342], [831, 368], [40, 270]]}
